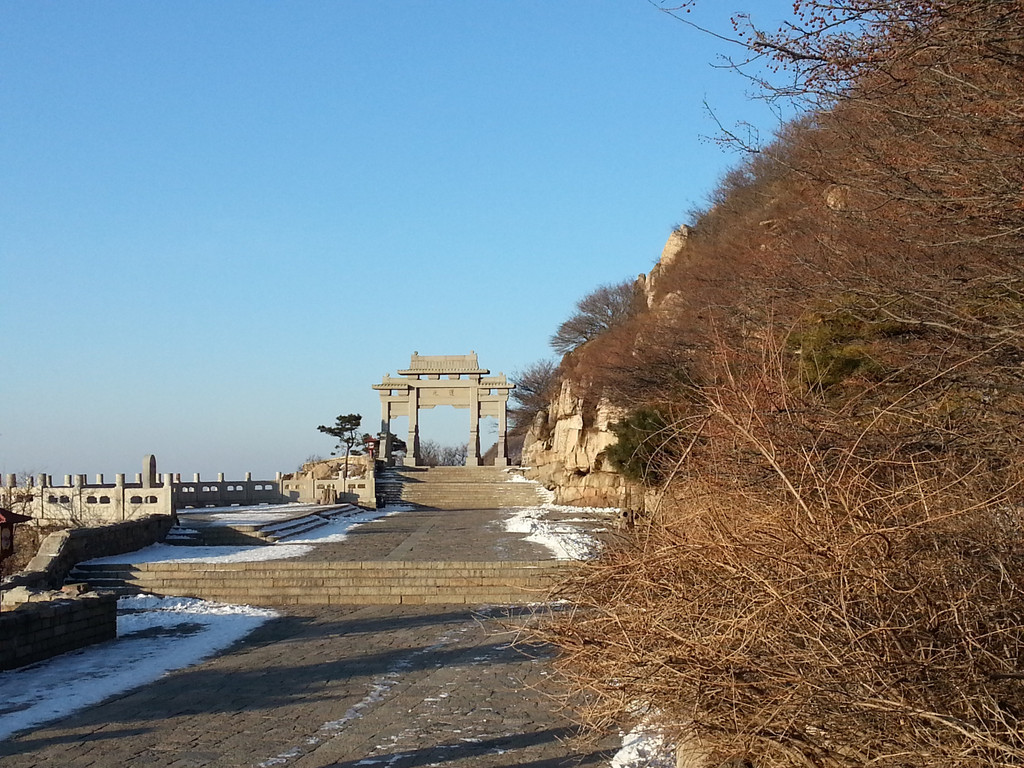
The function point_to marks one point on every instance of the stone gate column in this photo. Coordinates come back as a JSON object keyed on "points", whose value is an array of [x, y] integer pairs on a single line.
{"points": [[384, 450], [412, 456], [501, 459], [473, 452]]}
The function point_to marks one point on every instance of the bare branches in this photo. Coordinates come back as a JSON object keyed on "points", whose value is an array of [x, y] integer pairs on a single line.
{"points": [[835, 570], [433, 454], [535, 386], [918, 106], [878, 629], [599, 311]]}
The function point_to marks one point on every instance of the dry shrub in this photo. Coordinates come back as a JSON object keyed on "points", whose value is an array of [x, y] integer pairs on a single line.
{"points": [[790, 644], [824, 583], [833, 576]]}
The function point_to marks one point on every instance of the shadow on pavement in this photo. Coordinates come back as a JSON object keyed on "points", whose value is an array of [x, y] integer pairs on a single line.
{"points": [[27, 743], [501, 749], [341, 659]]}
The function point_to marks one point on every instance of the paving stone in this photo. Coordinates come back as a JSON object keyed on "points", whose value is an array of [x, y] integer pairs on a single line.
{"points": [[343, 686], [331, 687]]}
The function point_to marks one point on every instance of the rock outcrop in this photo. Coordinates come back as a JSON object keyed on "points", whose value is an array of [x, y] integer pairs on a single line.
{"points": [[674, 247], [564, 451], [564, 448], [323, 469]]}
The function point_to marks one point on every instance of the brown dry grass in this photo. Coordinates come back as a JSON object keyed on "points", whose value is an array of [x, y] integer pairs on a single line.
{"points": [[819, 586], [834, 574]]}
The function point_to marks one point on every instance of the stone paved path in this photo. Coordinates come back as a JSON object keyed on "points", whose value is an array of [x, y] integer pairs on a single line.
{"points": [[395, 686], [429, 534]]}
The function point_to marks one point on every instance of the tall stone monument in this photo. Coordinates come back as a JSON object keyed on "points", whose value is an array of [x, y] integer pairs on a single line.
{"points": [[456, 380]]}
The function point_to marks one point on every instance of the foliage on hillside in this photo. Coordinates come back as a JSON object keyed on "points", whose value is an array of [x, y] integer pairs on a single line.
{"points": [[828, 395], [604, 308]]}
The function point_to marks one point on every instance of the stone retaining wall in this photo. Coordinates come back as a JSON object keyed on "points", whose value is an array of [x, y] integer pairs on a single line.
{"points": [[60, 551], [37, 631]]}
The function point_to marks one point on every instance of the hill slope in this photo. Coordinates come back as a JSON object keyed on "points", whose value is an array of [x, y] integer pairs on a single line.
{"points": [[824, 396]]}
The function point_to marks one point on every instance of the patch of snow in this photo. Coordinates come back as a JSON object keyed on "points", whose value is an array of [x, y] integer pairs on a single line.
{"points": [[564, 541], [293, 546], [256, 514], [337, 529], [169, 553], [644, 748], [154, 636], [547, 497], [591, 512]]}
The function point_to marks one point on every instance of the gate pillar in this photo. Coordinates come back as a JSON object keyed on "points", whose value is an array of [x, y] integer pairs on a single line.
{"points": [[456, 380]]}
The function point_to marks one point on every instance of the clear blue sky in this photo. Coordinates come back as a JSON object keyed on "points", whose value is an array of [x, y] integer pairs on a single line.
{"points": [[221, 223]]}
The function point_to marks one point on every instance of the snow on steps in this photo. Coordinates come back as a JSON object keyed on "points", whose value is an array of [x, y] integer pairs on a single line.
{"points": [[195, 532]]}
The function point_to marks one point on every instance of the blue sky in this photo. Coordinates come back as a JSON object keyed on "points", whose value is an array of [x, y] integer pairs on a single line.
{"points": [[221, 223]]}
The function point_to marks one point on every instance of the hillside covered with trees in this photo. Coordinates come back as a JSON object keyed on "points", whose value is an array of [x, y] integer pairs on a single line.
{"points": [[825, 396]]}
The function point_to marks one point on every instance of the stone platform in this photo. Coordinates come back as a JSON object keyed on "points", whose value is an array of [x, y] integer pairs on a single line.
{"points": [[336, 687], [340, 686], [417, 556]]}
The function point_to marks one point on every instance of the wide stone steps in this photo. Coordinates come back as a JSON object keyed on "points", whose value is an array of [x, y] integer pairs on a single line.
{"points": [[457, 488], [285, 582], [194, 530], [280, 531]]}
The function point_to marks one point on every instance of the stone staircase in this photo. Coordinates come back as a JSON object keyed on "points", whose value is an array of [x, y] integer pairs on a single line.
{"points": [[456, 488], [215, 530], [298, 582], [391, 581]]}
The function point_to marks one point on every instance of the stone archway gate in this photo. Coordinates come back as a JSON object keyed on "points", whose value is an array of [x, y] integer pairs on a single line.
{"points": [[456, 380]]}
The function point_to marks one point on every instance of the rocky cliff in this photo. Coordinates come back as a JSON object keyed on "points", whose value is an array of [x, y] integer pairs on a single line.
{"points": [[566, 453], [564, 448], [649, 283]]}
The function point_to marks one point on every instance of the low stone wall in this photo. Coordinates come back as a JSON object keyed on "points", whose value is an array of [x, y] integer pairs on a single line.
{"points": [[60, 551], [327, 482], [37, 631]]}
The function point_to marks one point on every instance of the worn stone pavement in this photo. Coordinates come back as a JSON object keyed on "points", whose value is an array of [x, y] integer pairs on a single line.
{"points": [[422, 533], [388, 686]]}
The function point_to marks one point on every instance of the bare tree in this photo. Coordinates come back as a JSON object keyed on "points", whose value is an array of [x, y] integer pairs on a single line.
{"points": [[916, 109], [433, 454], [454, 455], [600, 310], [534, 388]]}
